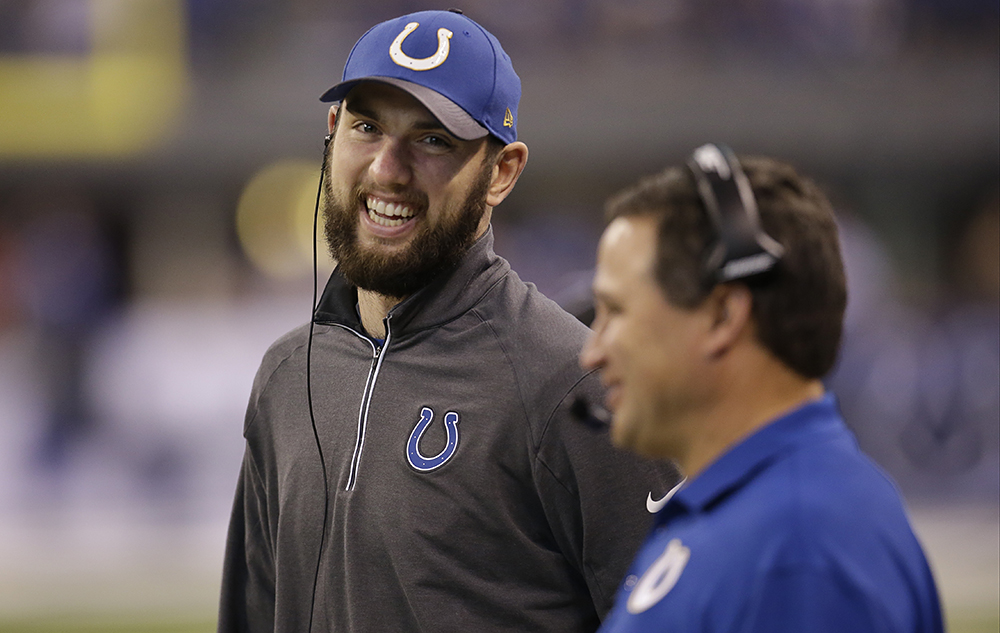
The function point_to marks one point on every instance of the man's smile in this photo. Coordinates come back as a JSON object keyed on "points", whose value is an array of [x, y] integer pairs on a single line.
{"points": [[388, 214], [389, 219]]}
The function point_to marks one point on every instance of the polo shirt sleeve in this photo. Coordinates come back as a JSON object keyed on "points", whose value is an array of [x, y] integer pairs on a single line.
{"points": [[815, 599]]}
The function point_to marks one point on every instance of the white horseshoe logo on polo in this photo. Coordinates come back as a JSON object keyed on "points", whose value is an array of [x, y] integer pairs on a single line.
{"points": [[660, 578], [435, 60], [417, 459]]}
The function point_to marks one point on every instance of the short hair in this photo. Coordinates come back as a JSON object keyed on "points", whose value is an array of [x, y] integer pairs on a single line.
{"points": [[798, 307], [494, 146]]}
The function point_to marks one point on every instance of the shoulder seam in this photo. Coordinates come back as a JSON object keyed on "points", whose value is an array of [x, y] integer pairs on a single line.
{"points": [[266, 382], [562, 400], [510, 363], [548, 423]]}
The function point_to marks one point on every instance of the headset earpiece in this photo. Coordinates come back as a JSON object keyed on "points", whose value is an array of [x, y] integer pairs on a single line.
{"points": [[327, 139], [742, 248]]}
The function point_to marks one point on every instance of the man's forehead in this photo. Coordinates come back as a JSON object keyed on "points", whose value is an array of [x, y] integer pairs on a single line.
{"points": [[625, 256], [629, 243], [373, 99]]}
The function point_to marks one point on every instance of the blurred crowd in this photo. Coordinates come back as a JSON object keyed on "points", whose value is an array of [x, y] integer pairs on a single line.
{"points": [[838, 29], [111, 392], [130, 328]]}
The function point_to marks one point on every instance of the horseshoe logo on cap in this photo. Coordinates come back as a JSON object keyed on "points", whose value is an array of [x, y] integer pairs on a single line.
{"points": [[435, 60]]}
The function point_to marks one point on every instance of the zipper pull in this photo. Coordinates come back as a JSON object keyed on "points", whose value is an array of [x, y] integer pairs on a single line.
{"points": [[385, 325], [380, 345]]}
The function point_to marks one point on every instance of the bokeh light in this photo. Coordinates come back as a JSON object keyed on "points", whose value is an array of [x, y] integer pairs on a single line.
{"points": [[274, 220]]}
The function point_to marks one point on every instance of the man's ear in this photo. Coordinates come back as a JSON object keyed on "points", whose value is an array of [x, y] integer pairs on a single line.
{"points": [[510, 163], [730, 309], [331, 120]]}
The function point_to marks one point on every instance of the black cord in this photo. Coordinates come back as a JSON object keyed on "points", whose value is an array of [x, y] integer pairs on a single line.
{"points": [[312, 416]]}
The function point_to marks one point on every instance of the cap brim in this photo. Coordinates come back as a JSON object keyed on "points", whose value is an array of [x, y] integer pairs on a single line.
{"points": [[450, 114]]}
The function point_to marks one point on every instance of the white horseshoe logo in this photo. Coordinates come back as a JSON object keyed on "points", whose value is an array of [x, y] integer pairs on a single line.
{"points": [[435, 60], [660, 578]]}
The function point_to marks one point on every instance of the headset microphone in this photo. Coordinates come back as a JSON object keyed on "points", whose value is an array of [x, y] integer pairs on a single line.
{"points": [[591, 415]]}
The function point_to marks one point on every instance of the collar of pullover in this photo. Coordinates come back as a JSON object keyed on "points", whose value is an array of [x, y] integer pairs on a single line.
{"points": [[447, 297]]}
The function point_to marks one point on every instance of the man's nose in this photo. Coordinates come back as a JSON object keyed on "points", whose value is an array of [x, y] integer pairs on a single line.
{"points": [[391, 164]]}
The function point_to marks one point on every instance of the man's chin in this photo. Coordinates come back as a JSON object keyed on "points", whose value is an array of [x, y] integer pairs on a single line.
{"points": [[628, 434], [621, 431], [389, 249]]}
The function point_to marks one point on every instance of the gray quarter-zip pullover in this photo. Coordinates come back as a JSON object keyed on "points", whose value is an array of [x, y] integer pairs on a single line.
{"points": [[461, 494]]}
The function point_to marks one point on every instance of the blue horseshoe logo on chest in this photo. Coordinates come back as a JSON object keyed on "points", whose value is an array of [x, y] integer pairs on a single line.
{"points": [[416, 458]]}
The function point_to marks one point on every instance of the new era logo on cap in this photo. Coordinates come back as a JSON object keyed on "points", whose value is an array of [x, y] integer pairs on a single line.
{"points": [[451, 64]]}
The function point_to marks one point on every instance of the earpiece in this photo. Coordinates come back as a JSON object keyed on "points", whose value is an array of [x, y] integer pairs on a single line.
{"points": [[742, 249], [309, 398]]}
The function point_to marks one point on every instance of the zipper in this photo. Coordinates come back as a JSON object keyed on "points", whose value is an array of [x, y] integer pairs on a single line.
{"points": [[378, 353]]}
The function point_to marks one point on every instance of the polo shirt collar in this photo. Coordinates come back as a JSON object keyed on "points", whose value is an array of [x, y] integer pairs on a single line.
{"points": [[813, 420]]}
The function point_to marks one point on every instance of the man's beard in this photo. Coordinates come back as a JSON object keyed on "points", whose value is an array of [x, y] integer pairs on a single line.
{"points": [[431, 251]]}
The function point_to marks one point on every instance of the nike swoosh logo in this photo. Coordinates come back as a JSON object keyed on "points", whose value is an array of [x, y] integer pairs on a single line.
{"points": [[655, 505]]}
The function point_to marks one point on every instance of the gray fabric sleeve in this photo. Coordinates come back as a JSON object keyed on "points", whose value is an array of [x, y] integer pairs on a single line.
{"points": [[248, 594], [594, 496]]}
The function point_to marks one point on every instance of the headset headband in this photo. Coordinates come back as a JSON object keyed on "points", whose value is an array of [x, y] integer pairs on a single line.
{"points": [[743, 249]]}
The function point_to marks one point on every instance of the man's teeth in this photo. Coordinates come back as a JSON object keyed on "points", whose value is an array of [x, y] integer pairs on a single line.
{"points": [[388, 213]]}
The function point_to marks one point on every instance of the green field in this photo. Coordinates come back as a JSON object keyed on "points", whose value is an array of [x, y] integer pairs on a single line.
{"points": [[960, 623], [166, 581]]}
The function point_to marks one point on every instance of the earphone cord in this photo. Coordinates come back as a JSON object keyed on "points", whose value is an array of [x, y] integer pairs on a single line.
{"points": [[312, 416]]}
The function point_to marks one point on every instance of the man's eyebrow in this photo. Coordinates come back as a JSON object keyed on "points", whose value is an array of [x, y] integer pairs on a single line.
{"points": [[361, 110], [433, 124]]}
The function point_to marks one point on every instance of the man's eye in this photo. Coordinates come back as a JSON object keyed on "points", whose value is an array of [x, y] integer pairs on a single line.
{"points": [[365, 127], [437, 141]]}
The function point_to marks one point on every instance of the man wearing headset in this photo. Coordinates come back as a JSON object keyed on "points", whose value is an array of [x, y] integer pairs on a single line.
{"points": [[412, 462], [720, 295]]}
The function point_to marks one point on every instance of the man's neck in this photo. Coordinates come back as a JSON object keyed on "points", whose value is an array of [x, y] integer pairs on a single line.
{"points": [[758, 393], [373, 308]]}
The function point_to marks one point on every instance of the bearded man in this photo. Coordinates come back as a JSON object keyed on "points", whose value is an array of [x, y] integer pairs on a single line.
{"points": [[412, 463]]}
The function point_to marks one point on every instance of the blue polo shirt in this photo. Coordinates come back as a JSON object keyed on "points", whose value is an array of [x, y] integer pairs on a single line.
{"points": [[793, 529]]}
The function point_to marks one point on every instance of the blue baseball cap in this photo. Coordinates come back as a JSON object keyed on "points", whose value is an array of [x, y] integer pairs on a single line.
{"points": [[453, 66]]}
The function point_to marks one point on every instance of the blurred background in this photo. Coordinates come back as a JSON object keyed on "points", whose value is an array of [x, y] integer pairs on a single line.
{"points": [[158, 169]]}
